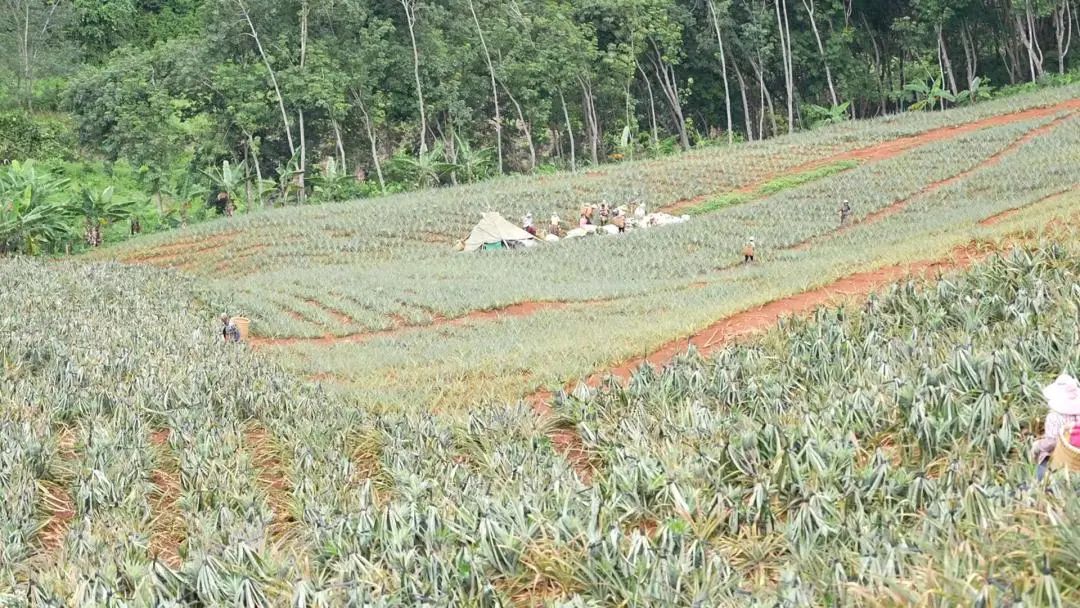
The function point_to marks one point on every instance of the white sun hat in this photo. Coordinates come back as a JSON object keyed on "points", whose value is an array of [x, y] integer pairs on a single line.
{"points": [[1063, 396]]}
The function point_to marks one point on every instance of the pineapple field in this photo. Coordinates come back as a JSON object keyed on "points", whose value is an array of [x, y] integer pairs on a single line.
{"points": [[631, 420], [371, 299], [871, 454]]}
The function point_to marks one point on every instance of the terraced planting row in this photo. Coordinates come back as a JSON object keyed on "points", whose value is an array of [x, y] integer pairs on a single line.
{"points": [[502, 358], [422, 224], [874, 452]]}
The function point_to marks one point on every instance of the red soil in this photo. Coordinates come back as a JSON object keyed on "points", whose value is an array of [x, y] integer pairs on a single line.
{"points": [[167, 527], [724, 331], [58, 502], [902, 204], [890, 149], [273, 480], [166, 254], [338, 316], [61, 511], [993, 220], [523, 309]]}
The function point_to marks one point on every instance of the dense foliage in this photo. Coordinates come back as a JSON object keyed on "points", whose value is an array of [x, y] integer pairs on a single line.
{"points": [[41, 212], [859, 455], [417, 92]]}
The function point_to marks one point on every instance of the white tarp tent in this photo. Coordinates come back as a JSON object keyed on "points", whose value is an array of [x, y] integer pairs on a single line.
{"points": [[493, 229]]}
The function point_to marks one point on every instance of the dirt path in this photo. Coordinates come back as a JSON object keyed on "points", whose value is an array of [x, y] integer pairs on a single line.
{"points": [[888, 149], [167, 529], [902, 204], [522, 309], [996, 219], [273, 480], [722, 332], [57, 500]]}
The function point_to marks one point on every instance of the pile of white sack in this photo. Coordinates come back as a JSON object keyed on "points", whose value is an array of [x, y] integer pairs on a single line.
{"points": [[638, 221]]}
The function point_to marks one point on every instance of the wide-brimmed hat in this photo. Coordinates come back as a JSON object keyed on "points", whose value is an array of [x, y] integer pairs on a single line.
{"points": [[1063, 396]]}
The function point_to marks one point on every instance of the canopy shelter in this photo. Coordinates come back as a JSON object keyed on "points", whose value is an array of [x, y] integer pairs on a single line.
{"points": [[493, 231]]}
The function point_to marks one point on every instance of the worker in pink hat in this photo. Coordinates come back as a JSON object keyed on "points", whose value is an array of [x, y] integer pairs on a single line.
{"points": [[1063, 399]]}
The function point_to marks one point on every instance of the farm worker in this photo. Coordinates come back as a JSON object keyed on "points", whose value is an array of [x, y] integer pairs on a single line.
{"points": [[619, 221], [605, 214], [556, 225], [229, 331], [527, 224], [845, 212], [1063, 401], [748, 251]]}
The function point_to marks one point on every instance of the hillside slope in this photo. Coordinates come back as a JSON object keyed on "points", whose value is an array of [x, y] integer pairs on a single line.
{"points": [[371, 296]]}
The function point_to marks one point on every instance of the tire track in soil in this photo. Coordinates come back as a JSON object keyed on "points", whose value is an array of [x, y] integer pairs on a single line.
{"points": [[273, 480], [168, 528], [888, 149], [57, 500]]}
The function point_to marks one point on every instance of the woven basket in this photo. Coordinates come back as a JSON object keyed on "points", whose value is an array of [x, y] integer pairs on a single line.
{"points": [[1065, 455], [242, 325]]}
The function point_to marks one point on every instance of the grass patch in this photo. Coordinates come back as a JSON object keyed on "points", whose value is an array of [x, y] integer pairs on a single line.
{"points": [[784, 182]]}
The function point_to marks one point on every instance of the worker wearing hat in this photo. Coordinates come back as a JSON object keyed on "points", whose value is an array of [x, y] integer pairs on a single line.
{"points": [[1063, 401], [556, 225], [748, 251], [845, 212]]}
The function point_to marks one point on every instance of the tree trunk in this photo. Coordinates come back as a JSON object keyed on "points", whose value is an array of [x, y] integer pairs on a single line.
{"points": [[526, 128], [946, 64], [302, 193], [589, 108], [878, 68], [258, 169], [494, 87], [273, 77], [785, 52], [1025, 26], [340, 144], [745, 102], [1063, 28], [665, 75], [766, 99], [652, 105], [723, 71], [809, 4], [971, 56], [370, 129], [569, 132], [410, 19]]}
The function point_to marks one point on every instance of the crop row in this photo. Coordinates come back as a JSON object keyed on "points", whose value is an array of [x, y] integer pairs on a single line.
{"points": [[857, 453], [637, 263]]}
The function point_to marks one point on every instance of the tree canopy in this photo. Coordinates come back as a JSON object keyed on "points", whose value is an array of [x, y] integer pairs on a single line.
{"points": [[439, 91]]}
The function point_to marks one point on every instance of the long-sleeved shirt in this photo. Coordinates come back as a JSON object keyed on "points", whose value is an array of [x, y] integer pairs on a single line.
{"points": [[1052, 428], [231, 332]]}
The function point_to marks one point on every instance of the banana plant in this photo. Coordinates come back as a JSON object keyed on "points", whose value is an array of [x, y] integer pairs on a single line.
{"points": [[230, 181], [99, 209]]}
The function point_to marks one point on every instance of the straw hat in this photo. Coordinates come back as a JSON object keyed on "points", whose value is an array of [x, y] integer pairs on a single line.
{"points": [[1063, 396]]}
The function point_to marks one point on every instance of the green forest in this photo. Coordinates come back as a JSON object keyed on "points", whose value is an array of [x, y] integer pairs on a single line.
{"points": [[154, 108]]}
